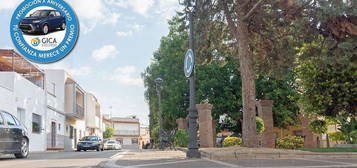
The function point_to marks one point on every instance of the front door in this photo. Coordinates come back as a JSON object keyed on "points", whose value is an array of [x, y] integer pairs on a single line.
{"points": [[75, 137], [53, 134]]}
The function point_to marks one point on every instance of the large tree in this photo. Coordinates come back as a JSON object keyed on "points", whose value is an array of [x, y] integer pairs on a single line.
{"points": [[262, 32]]}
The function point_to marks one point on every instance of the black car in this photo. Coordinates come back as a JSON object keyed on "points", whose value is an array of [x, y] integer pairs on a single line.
{"points": [[43, 21], [90, 143], [13, 136]]}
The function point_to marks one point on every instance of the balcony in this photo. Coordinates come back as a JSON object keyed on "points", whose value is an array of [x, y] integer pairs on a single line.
{"points": [[11, 61], [74, 101]]}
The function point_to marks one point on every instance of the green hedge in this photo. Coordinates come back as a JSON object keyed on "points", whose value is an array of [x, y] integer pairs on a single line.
{"points": [[232, 141], [181, 138], [290, 142]]}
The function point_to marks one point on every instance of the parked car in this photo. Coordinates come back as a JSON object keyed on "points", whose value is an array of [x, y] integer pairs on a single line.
{"points": [[90, 143], [43, 21], [13, 136], [112, 144]]}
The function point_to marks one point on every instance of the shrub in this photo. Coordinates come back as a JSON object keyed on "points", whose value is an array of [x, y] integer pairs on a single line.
{"points": [[337, 136], [318, 126], [181, 138], [260, 125], [232, 141], [290, 142], [108, 133]]}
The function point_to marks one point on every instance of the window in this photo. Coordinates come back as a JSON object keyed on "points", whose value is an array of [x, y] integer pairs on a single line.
{"points": [[21, 115], [1, 120], [51, 88], [71, 132], [36, 123], [52, 13], [59, 127], [134, 141], [9, 119]]}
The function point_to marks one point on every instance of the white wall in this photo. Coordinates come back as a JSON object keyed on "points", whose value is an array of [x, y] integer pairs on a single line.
{"points": [[21, 93], [126, 128]]}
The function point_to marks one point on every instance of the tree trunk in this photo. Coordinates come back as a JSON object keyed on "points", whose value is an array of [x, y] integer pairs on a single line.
{"points": [[248, 86]]}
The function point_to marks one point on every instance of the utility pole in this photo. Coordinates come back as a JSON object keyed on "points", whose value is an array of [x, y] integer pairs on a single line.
{"points": [[158, 82]]}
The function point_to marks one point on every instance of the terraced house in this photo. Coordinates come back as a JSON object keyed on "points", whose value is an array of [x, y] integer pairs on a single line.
{"points": [[55, 109]]}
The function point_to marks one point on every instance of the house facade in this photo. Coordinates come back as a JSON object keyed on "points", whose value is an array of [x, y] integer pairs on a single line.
{"points": [[127, 131], [94, 121], [54, 108], [22, 93]]}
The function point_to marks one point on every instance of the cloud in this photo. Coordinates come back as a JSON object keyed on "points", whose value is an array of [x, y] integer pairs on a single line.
{"points": [[74, 71], [139, 6], [124, 34], [94, 12], [133, 29], [168, 8], [9, 4], [80, 71], [126, 76], [105, 52]]}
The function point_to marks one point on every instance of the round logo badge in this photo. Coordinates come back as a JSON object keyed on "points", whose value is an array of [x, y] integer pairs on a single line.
{"points": [[44, 31]]}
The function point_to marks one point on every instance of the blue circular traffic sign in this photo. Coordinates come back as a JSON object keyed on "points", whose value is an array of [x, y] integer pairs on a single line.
{"points": [[189, 63], [44, 31]]}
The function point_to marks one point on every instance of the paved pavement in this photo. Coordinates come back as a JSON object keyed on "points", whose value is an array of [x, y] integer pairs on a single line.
{"points": [[156, 159], [57, 159], [176, 159]]}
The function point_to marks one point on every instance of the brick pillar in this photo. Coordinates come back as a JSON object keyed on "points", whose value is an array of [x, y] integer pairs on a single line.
{"points": [[181, 123], [207, 126], [310, 139], [265, 112]]}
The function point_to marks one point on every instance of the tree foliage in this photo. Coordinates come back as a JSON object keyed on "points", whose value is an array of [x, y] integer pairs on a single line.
{"points": [[108, 133]]}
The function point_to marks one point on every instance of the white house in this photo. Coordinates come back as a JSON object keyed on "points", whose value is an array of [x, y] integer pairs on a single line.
{"points": [[22, 94], [127, 131], [53, 107], [72, 98], [94, 116]]}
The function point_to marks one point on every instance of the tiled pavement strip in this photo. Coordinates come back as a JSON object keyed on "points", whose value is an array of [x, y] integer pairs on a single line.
{"points": [[176, 159]]}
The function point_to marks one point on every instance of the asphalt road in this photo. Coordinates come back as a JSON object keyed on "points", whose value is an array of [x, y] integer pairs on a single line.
{"points": [[156, 159], [57, 159]]}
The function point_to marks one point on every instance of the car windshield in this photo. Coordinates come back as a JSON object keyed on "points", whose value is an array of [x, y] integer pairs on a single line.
{"points": [[90, 138], [111, 142], [40, 13]]}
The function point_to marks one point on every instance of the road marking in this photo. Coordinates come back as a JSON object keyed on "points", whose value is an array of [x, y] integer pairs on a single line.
{"points": [[221, 163], [164, 163], [111, 161], [326, 161]]}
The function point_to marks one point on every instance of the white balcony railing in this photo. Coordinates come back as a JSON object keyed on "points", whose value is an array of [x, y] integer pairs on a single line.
{"points": [[127, 132]]}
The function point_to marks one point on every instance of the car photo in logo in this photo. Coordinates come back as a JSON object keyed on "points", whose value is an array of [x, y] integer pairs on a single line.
{"points": [[43, 21], [44, 31]]}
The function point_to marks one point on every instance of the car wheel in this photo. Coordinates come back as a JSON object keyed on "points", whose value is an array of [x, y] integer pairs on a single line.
{"points": [[63, 26], [85, 150], [78, 150], [24, 150], [45, 29]]}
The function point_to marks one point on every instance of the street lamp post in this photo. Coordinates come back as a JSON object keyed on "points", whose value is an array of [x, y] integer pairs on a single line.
{"points": [[158, 81], [192, 116]]}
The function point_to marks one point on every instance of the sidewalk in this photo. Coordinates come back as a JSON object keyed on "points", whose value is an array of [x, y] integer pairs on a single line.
{"points": [[238, 153]]}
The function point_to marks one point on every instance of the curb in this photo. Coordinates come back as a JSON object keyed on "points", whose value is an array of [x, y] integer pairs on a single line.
{"points": [[234, 155]]}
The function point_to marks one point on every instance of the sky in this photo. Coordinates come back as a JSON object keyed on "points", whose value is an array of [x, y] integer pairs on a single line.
{"points": [[116, 43]]}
